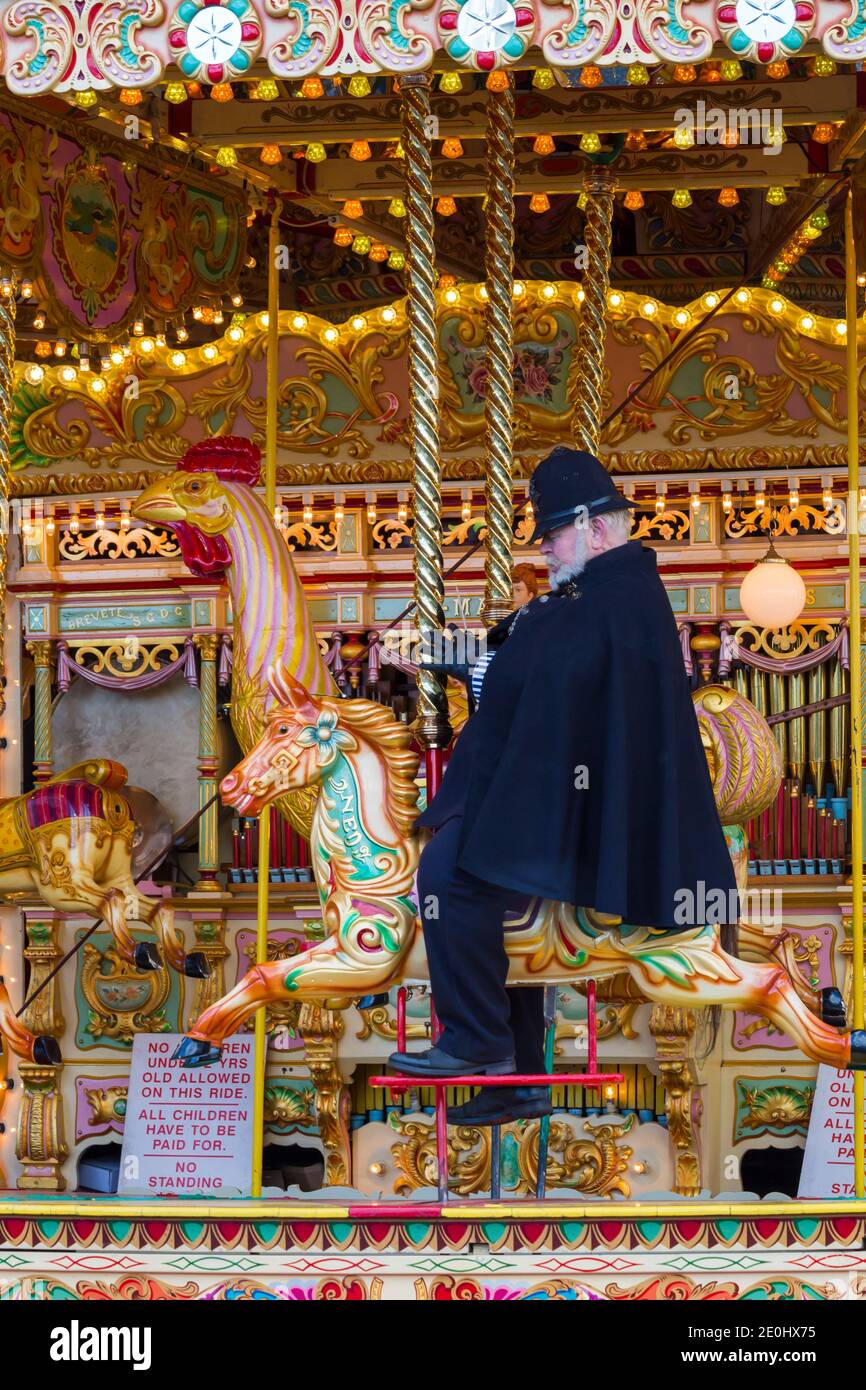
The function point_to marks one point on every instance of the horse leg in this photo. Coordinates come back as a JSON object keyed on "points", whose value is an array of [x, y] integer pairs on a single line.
{"points": [[262, 985], [711, 976], [83, 893], [159, 916], [40, 1049], [321, 972]]}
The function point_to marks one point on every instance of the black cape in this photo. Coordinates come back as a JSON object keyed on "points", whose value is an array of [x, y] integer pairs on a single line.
{"points": [[582, 778]]}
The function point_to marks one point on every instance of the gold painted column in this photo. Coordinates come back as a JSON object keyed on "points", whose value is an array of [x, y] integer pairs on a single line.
{"points": [[43, 740], [208, 826], [433, 727], [599, 188], [40, 1144], [7, 372], [853, 410], [499, 344]]}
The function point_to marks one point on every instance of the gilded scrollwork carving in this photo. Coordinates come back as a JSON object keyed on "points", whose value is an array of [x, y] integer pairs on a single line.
{"points": [[321, 1030], [125, 658], [595, 1166], [40, 1145], [362, 439], [784, 520], [673, 1030], [122, 1001], [126, 543], [415, 1157], [797, 639], [671, 524]]}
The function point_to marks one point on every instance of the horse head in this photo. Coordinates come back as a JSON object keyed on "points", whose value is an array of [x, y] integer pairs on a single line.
{"points": [[301, 740], [198, 500]]}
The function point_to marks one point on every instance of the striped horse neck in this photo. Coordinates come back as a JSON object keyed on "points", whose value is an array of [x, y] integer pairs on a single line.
{"points": [[271, 619]]}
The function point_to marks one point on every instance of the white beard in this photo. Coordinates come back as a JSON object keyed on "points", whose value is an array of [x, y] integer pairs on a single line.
{"points": [[567, 572]]}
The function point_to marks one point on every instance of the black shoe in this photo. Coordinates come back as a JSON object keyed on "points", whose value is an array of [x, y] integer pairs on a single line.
{"points": [[147, 956], [195, 1053], [46, 1051], [833, 1007], [499, 1105], [857, 1061], [196, 966], [435, 1062]]}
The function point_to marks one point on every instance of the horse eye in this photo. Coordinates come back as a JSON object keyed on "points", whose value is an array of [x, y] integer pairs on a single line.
{"points": [[283, 729]]}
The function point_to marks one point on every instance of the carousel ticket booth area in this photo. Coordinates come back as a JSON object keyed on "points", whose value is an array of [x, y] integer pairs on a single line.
{"points": [[293, 300]]}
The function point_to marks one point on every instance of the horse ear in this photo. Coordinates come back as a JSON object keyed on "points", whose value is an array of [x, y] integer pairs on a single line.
{"points": [[287, 690]]}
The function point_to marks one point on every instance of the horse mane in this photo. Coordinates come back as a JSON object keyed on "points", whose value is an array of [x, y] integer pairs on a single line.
{"points": [[376, 723]]}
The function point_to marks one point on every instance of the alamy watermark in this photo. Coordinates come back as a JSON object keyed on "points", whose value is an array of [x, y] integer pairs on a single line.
{"points": [[701, 906], [81, 1343], [438, 647], [719, 125]]}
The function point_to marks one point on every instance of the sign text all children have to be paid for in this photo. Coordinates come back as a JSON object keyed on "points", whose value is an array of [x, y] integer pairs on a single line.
{"points": [[188, 1131]]}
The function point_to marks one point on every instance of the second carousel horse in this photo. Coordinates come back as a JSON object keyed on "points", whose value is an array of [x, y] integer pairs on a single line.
{"points": [[70, 843]]}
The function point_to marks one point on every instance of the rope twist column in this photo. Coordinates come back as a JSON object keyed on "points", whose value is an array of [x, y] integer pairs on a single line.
{"points": [[499, 341], [432, 723], [7, 375], [599, 188]]}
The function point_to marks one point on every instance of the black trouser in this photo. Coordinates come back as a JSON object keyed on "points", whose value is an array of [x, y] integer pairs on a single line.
{"points": [[482, 1021]]}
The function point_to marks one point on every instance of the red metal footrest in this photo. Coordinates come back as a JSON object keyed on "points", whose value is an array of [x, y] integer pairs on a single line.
{"points": [[583, 1078]]}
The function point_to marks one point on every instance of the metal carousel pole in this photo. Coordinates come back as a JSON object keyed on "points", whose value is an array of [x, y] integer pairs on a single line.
{"points": [[262, 903], [599, 187], [856, 676], [499, 344], [433, 729], [7, 381]]}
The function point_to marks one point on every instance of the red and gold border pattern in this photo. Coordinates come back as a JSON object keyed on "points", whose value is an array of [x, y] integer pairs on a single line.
{"points": [[529, 1227]]}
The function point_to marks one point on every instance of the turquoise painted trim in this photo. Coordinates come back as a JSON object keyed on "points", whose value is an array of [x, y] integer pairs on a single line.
{"points": [[133, 617], [323, 610]]}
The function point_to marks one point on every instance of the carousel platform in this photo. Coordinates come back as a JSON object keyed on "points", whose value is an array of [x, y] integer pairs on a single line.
{"points": [[81, 1248]]}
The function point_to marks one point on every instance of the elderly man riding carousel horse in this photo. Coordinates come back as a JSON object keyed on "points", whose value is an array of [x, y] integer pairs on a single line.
{"points": [[580, 778]]}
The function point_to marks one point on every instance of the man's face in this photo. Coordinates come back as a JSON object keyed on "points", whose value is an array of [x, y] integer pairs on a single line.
{"points": [[565, 552]]}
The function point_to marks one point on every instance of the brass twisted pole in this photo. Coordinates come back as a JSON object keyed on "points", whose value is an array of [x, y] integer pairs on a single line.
{"points": [[432, 723], [599, 188], [499, 344], [7, 379]]}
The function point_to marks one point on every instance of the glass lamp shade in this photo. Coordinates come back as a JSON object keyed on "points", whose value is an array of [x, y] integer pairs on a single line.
{"points": [[773, 593]]}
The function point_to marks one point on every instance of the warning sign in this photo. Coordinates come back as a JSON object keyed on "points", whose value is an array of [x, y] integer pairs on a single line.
{"points": [[188, 1131], [828, 1166]]}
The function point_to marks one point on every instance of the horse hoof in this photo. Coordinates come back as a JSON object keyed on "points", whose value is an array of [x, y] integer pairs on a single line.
{"points": [[373, 1001], [147, 956], [857, 1060], [195, 1053], [196, 966], [46, 1051], [833, 1007]]}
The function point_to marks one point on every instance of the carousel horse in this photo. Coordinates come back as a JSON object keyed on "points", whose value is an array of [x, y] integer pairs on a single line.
{"points": [[225, 531], [70, 842], [365, 854]]}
